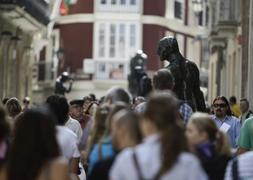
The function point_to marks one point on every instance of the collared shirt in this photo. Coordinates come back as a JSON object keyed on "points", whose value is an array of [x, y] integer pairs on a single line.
{"points": [[246, 135], [148, 155], [185, 111], [75, 126], [245, 170], [232, 128]]}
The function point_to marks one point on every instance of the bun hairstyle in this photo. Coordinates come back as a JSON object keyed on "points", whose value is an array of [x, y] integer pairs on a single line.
{"points": [[204, 123]]}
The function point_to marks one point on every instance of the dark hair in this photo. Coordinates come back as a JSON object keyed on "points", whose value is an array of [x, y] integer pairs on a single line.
{"points": [[163, 80], [93, 96], [204, 123], [59, 107], [4, 100], [223, 98], [162, 111], [33, 146], [245, 100], [4, 126], [232, 99], [13, 107]]}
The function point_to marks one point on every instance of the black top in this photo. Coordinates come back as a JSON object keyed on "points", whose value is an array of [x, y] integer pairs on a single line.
{"points": [[101, 169]]}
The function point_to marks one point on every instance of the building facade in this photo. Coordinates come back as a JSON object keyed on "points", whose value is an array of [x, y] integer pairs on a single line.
{"points": [[99, 37], [22, 25], [230, 59]]}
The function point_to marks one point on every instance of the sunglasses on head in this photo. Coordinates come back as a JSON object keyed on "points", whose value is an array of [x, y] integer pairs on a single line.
{"points": [[220, 105]]}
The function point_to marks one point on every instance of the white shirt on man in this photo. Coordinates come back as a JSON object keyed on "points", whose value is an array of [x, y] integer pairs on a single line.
{"points": [[148, 155], [75, 126], [68, 142]]}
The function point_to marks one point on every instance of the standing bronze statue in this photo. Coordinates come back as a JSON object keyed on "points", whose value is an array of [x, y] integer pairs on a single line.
{"points": [[139, 83], [185, 72]]}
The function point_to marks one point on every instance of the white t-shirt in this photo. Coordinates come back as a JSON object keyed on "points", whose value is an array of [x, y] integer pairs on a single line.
{"points": [[68, 142], [75, 126], [149, 160]]}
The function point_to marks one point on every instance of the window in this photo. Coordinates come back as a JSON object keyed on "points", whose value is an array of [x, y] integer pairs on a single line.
{"points": [[112, 40], [118, 5], [133, 2], [132, 35], [122, 42], [122, 2], [101, 52], [115, 41], [178, 9]]}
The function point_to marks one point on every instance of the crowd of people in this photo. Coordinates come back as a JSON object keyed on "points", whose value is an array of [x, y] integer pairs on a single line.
{"points": [[120, 138]]}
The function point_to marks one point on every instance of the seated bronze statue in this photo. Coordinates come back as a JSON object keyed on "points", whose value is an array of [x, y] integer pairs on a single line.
{"points": [[185, 72]]}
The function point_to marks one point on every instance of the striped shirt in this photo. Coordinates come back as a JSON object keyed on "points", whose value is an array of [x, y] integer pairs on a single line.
{"points": [[245, 167]]}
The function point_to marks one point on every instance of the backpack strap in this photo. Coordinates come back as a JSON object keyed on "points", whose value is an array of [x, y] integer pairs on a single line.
{"points": [[137, 166], [235, 173]]}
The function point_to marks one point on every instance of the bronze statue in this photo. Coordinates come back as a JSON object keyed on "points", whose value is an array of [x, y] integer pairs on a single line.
{"points": [[185, 72], [138, 81], [59, 84]]}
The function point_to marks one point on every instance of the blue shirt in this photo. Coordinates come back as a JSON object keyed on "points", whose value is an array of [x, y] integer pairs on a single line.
{"points": [[234, 130], [106, 152]]}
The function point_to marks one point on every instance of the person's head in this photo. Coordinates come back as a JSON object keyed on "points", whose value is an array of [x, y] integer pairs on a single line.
{"points": [[76, 109], [116, 94], [161, 116], [93, 96], [221, 107], [138, 100], [232, 100], [163, 80], [167, 46], [244, 105], [34, 144], [4, 100], [4, 126], [201, 128], [125, 129], [114, 109], [13, 107], [59, 107]]}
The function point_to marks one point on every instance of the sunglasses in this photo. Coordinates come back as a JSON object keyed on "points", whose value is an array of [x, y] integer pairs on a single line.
{"points": [[219, 105]]}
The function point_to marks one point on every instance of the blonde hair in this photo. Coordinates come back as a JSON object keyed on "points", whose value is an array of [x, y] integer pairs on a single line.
{"points": [[204, 123]]}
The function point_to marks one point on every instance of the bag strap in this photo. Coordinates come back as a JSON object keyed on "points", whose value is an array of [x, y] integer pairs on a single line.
{"points": [[136, 164], [235, 173]]}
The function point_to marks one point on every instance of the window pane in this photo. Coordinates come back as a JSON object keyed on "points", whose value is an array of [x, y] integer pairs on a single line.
{"points": [[102, 1], [123, 2], [133, 2], [132, 35], [112, 40], [178, 10], [122, 40], [113, 1], [101, 37]]}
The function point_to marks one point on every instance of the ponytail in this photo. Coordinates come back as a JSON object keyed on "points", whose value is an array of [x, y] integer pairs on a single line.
{"points": [[222, 145], [172, 144]]}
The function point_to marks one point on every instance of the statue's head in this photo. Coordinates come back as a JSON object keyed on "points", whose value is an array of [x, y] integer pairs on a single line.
{"points": [[64, 76], [167, 47], [138, 61]]}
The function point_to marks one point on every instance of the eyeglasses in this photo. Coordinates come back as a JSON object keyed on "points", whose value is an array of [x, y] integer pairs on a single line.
{"points": [[220, 105]]}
